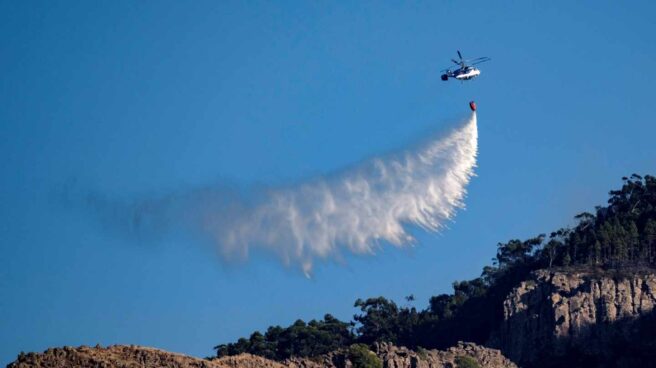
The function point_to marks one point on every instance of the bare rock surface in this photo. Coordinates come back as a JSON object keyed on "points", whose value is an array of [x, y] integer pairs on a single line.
{"points": [[553, 311]]}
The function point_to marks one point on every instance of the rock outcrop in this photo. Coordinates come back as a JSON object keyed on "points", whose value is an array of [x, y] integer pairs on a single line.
{"points": [[142, 357], [556, 311], [400, 357]]}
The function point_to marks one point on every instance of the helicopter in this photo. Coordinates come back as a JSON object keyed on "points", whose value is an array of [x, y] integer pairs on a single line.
{"points": [[466, 68]]}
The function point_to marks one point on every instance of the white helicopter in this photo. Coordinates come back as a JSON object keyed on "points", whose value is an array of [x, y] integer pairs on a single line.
{"points": [[466, 68]]}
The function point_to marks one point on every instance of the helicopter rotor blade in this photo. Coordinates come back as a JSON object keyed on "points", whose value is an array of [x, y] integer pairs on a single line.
{"points": [[476, 59], [480, 60], [459, 54], [455, 62]]}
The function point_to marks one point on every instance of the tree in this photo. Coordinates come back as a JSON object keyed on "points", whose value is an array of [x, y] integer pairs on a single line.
{"points": [[550, 251], [633, 239], [442, 306], [567, 260], [517, 251], [300, 339], [378, 321]]}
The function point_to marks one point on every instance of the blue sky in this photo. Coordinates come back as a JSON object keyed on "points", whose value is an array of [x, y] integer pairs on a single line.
{"points": [[133, 99]]}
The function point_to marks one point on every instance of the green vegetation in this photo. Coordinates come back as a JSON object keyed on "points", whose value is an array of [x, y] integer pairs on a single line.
{"points": [[362, 357], [465, 361], [619, 236], [299, 339]]}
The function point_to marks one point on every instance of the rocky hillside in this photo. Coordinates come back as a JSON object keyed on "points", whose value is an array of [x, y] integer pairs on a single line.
{"points": [[555, 313], [142, 357], [131, 357], [592, 318], [399, 357]]}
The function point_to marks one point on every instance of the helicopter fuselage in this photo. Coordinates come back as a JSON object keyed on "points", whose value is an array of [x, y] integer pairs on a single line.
{"points": [[466, 73]]}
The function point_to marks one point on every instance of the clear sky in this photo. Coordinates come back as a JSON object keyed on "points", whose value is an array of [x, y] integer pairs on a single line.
{"points": [[133, 99]]}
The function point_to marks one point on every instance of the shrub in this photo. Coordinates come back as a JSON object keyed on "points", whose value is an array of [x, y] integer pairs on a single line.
{"points": [[361, 357], [464, 361]]}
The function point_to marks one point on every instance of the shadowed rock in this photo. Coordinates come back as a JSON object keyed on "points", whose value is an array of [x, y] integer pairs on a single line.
{"points": [[554, 313]]}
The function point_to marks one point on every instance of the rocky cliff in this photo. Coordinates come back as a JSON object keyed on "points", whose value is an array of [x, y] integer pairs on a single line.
{"points": [[555, 313], [142, 357]]}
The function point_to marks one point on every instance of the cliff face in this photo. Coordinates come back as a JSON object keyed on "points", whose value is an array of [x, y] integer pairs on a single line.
{"points": [[142, 357], [555, 312]]}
